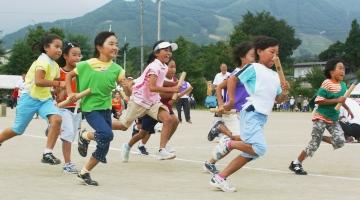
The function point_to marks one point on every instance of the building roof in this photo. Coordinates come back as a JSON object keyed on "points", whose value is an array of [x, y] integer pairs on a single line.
{"points": [[309, 64]]}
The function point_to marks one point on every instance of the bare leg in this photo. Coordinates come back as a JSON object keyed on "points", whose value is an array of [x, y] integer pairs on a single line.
{"points": [[234, 165], [7, 134], [66, 148], [223, 129], [302, 156], [138, 136], [116, 125], [91, 163], [145, 139], [164, 116], [54, 130], [240, 145]]}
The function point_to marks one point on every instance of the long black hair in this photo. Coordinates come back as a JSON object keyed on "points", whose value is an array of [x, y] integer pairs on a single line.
{"points": [[263, 42], [100, 39], [241, 50]]}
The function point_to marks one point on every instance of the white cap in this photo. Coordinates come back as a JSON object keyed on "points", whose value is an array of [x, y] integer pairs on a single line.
{"points": [[164, 45]]}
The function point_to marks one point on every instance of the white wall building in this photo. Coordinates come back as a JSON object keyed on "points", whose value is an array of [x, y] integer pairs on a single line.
{"points": [[301, 69]]}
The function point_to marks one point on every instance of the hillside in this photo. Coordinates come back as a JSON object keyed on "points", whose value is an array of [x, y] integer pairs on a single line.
{"points": [[318, 23]]}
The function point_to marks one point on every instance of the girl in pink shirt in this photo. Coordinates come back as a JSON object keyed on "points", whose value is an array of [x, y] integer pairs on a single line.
{"points": [[145, 98]]}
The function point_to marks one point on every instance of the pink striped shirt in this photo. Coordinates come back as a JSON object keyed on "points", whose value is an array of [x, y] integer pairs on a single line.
{"points": [[331, 87], [141, 93]]}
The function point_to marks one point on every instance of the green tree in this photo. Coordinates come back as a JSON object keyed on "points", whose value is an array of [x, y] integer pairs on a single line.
{"points": [[335, 50], [315, 77], [25, 51], [2, 51], [352, 47], [265, 24], [20, 59]]}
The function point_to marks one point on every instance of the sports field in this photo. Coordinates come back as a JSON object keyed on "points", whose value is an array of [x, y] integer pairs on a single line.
{"points": [[332, 174]]}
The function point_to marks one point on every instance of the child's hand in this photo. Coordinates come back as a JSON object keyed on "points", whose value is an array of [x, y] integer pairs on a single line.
{"points": [[72, 97], [350, 114], [226, 107], [175, 89], [62, 84], [341, 99], [285, 86]]}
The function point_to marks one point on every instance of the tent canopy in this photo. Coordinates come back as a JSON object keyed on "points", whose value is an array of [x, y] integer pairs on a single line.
{"points": [[10, 81]]}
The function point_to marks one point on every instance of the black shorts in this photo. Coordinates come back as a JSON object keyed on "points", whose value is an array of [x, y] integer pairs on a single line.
{"points": [[148, 123]]}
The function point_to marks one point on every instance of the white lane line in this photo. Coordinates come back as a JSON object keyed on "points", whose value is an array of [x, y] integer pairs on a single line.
{"points": [[249, 168]]}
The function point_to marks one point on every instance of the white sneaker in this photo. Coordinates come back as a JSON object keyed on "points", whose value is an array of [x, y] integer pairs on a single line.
{"points": [[165, 155], [222, 184], [125, 151], [170, 149], [221, 149]]}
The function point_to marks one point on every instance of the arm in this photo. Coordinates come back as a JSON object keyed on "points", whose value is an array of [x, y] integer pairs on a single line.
{"points": [[330, 101], [231, 86], [68, 79], [348, 110], [40, 80], [154, 88], [218, 92], [123, 83]]}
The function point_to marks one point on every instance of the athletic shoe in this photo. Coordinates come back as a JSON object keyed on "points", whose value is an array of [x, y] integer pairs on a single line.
{"points": [[165, 155], [143, 151], [83, 144], [49, 158], [125, 151], [222, 184], [297, 168], [170, 149], [87, 179], [221, 149], [70, 168], [214, 131], [211, 168]]}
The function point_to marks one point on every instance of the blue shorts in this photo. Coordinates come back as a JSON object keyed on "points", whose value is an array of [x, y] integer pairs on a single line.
{"points": [[252, 132], [26, 109], [148, 124]]}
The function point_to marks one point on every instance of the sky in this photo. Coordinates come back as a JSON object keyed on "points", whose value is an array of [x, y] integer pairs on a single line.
{"points": [[16, 14]]}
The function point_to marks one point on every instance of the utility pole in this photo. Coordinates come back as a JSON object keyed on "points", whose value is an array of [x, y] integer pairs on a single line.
{"points": [[159, 20], [142, 34], [125, 53]]}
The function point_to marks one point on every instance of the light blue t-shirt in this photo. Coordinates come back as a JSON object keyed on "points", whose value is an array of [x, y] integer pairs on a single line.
{"points": [[263, 85]]}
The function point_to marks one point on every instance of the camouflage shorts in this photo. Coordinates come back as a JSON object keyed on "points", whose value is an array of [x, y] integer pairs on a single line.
{"points": [[337, 140]]}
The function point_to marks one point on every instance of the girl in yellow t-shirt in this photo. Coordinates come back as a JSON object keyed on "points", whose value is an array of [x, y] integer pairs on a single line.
{"points": [[36, 96]]}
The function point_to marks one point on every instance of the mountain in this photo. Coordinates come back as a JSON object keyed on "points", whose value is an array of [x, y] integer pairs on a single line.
{"points": [[318, 23]]}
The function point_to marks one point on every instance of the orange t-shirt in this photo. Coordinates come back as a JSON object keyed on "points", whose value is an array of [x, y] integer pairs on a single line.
{"points": [[73, 88], [116, 104]]}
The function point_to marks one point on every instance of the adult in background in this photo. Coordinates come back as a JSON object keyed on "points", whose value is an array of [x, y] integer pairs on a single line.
{"points": [[220, 77], [183, 102]]}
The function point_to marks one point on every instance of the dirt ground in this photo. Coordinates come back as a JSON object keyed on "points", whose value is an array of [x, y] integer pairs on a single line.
{"points": [[332, 174]]}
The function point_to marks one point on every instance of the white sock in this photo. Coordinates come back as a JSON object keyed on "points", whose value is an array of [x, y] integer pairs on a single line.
{"points": [[84, 171], [141, 144], [85, 135], [46, 150], [296, 161]]}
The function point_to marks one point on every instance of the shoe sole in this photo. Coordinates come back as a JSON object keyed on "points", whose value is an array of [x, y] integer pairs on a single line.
{"points": [[291, 169], [45, 162], [209, 171], [84, 183]]}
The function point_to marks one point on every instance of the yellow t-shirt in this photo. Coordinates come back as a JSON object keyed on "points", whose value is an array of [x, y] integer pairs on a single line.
{"points": [[52, 71], [99, 65]]}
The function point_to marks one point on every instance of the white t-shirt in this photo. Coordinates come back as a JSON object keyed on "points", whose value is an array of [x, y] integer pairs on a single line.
{"points": [[355, 109], [220, 77], [263, 85]]}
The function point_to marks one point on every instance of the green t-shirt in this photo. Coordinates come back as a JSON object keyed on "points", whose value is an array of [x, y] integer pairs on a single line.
{"points": [[329, 110], [101, 84]]}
